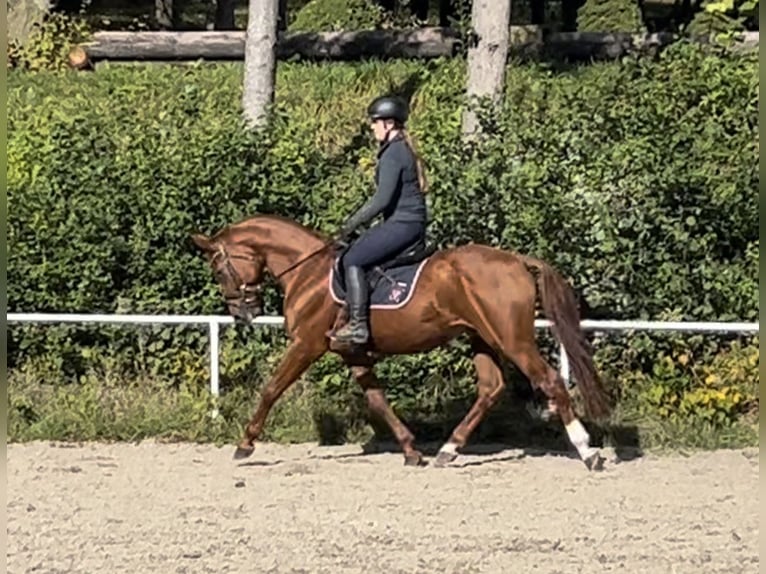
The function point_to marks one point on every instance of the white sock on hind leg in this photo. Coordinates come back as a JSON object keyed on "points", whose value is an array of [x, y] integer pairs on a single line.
{"points": [[580, 438], [449, 448]]}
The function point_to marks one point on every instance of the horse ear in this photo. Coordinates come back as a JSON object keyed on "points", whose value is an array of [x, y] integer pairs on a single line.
{"points": [[202, 241]]}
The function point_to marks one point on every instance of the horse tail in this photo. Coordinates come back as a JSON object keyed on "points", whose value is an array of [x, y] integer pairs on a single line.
{"points": [[560, 306]]}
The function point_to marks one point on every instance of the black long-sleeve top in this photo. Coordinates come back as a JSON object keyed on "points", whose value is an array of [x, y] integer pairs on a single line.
{"points": [[398, 196]]}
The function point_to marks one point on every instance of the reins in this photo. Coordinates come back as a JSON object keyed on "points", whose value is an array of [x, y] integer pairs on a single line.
{"points": [[300, 262]]}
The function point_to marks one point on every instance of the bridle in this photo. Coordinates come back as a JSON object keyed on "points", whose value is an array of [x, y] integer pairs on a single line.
{"points": [[249, 294]]}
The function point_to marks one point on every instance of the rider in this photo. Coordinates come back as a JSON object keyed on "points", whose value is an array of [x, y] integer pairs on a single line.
{"points": [[401, 183]]}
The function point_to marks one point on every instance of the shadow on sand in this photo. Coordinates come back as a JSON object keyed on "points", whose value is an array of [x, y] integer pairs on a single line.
{"points": [[511, 429]]}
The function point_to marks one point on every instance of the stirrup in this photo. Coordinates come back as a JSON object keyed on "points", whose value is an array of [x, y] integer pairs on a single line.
{"points": [[346, 334]]}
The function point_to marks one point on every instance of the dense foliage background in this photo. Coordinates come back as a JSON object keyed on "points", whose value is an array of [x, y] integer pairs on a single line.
{"points": [[636, 178]]}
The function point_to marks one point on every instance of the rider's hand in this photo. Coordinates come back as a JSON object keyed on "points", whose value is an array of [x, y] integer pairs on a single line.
{"points": [[340, 240], [345, 234]]}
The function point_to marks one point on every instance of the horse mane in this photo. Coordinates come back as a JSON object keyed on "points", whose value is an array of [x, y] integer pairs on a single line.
{"points": [[280, 220]]}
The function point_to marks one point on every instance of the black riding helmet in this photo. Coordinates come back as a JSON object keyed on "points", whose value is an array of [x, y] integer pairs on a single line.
{"points": [[389, 108]]}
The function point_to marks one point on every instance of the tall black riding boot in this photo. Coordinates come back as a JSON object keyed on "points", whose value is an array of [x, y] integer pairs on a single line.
{"points": [[356, 330]]}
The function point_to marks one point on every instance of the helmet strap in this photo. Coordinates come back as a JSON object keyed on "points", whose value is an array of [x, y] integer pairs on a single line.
{"points": [[389, 130]]}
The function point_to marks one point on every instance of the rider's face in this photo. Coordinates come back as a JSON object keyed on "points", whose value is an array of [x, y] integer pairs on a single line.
{"points": [[380, 128]]}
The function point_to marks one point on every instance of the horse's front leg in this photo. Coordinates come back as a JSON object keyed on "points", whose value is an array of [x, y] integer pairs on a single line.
{"points": [[298, 357]]}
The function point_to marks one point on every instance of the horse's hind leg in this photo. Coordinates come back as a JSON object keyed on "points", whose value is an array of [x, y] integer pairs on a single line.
{"points": [[526, 356], [490, 387], [379, 406]]}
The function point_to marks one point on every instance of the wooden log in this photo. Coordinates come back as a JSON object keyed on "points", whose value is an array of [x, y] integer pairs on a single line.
{"points": [[230, 45], [584, 46], [78, 59], [605, 46], [421, 43]]}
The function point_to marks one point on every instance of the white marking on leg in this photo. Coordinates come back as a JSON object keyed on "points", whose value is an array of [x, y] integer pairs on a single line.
{"points": [[580, 439], [449, 448]]}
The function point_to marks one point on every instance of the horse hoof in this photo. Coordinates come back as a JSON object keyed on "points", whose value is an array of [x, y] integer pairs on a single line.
{"points": [[243, 452], [594, 462], [414, 459], [444, 458]]}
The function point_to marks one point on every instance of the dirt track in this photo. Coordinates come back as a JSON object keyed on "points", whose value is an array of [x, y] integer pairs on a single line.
{"points": [[191, 508]]}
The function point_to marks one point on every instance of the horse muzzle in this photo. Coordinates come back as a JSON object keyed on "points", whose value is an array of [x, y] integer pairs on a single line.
{"points": [[247, 305], [247, 315]]}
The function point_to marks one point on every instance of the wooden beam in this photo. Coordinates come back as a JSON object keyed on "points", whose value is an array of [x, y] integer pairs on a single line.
{"points": [[612, 45], [230, 45], [421, 43]]}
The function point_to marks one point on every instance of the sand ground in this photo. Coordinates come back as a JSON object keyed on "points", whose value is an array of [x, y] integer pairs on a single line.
{"points": [[171, 508]]}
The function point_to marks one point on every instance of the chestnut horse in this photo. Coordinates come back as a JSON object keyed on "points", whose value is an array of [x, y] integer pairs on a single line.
{"points": [[476, 289]]}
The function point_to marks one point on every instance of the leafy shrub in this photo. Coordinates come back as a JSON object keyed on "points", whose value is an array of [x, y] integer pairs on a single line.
{"points": [[723, 19], [610, 16], [47, 45], [717, 392], [331, 15]]}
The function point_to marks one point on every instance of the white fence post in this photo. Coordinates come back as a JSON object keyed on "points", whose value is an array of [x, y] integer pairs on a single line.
{"points": [[214, 348]]}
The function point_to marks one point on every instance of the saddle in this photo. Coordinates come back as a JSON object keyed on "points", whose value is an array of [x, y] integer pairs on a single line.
{"points": [[410, 255], [390, 283]]}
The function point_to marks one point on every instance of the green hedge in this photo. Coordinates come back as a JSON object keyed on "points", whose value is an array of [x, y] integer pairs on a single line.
{"points": [[326, 15], [610, 16], [637, 179]]}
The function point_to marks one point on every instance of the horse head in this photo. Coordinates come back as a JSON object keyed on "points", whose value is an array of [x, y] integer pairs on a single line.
{"points": [[238, 269]]}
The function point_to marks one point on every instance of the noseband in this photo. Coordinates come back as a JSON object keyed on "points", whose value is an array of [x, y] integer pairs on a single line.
{"points": [[247, 293]]}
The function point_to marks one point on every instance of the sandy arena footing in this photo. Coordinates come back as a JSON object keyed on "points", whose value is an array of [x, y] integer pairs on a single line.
{"points": [[172, 508]]}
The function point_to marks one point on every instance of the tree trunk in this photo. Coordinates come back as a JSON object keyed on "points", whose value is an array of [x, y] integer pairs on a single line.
{"points": [[260, 60], [487, 55]]}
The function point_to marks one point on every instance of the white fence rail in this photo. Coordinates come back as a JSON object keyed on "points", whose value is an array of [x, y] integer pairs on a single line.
{"points": [[215, 321]]}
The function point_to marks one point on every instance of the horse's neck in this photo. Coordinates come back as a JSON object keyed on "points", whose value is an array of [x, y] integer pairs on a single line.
{"points": [[289, 253], [280, 258]]}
